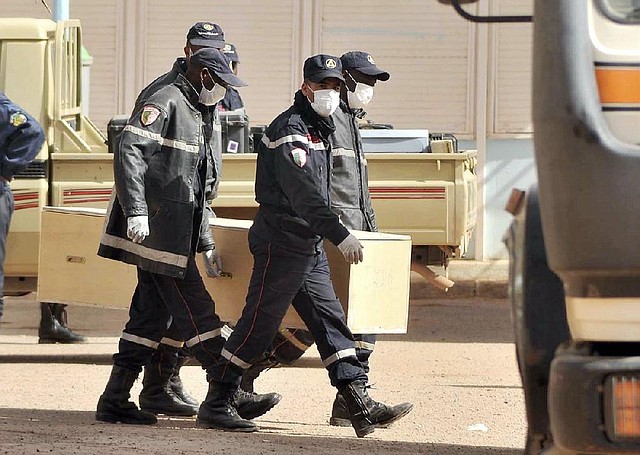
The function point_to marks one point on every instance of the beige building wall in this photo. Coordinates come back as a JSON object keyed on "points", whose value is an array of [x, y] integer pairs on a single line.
{"points": [[431, 53]]}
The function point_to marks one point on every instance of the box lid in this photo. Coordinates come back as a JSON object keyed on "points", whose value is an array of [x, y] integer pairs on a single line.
{"points": [[394, 134], [76, 210], [230, 223]]}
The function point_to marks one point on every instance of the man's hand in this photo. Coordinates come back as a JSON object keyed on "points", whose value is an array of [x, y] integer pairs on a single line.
{"points": [[212, 262], [137, 228], [351, 249]]}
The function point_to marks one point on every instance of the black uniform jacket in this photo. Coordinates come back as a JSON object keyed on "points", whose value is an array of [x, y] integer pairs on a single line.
{"points": [[155, 171], [211, 121], [292, 181], [350, 197]]}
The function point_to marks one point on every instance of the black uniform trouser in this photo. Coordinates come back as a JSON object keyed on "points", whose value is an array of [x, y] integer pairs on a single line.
{"points": [[280, 277], [6, 212], [160, 301]]}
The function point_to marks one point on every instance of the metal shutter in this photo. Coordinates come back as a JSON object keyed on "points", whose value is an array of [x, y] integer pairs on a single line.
{"points": [[424, 45], [24, 8], [262, 31], [99, 31], [512, 45]]}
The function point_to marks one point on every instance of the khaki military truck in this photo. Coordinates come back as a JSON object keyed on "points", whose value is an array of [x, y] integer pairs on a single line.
{"points": [[429, 196], [40, 69]]}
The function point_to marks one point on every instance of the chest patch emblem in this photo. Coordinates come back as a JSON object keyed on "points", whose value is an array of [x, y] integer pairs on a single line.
{"points": [[149, 115], [18, 118], [299, 156]]}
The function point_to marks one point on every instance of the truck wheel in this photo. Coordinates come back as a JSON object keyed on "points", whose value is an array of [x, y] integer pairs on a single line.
{"points": [[538, 315]]}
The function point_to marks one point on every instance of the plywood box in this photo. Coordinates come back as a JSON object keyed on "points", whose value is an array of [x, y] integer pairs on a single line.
{"points": [[70, 270], [375, 293]]}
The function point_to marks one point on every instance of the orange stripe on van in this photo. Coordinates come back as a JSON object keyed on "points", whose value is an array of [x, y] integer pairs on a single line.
{"points": [[618, 85]]}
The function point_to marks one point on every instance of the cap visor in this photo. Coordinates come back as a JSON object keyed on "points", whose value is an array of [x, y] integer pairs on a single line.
{"points": [[232, 79], [207, 42], [375, 72], [322, 75]]}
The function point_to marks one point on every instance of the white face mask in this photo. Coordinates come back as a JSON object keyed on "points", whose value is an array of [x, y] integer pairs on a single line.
{"points": [[213, 96], [361, 96], [325, 102]]}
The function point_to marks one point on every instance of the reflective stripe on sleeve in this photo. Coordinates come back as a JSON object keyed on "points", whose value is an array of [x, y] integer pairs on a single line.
{"points": [[341, 151], [317, 146], [283, 140], [179, 145]]}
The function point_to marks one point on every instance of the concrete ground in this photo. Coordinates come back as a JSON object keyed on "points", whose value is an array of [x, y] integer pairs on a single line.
{"points": [[456, 364]]}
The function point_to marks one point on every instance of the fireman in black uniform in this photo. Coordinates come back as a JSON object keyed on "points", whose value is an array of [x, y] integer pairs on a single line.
{"points": [[350, 200], [290, 265], [162, 389], [232, 100], [158, 219]]}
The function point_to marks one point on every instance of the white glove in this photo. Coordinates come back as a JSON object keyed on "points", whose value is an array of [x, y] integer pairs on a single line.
{"points": [[351, 249], [137, 228], [212, 262]]}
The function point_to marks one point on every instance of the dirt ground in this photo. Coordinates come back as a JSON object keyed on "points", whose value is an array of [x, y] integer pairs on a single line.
{"points": [[456, 365]]}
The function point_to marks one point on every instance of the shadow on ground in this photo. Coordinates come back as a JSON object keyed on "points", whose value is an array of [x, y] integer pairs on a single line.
{"points": [[71, 432], [458, 321]]}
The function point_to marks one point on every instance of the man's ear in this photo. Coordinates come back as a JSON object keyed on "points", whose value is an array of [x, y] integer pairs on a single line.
{"points": [[306, 90]]}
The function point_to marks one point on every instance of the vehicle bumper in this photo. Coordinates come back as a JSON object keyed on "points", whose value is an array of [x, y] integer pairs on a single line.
{"points": [[580, 401]]}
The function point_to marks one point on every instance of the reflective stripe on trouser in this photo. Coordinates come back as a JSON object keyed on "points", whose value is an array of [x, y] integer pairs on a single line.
{"points": [[160, 299], [279, 278], [290, 344], [6, 211], [365, 344], [170, 349]]}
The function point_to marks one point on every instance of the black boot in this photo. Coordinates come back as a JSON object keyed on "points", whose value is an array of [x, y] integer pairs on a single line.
{"points": [[252, 373], [157, 396], [366, 414], [340, 414], [114, 405], [219, 410], [176, 383], [251, 405], [53, 325]]}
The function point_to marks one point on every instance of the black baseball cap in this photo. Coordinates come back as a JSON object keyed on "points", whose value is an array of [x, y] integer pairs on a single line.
{"points": [[206, 34], [215, 61], [322, 66], [363, 62], [230, 51]]}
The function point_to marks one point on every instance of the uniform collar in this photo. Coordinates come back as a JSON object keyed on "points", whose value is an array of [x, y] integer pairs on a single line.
{"points": [[187, 89], [180, 65], [359, 112]]}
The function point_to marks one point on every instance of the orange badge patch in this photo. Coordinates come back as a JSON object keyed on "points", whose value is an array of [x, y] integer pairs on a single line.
{"points": [[299, 156], [149, 115]]}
